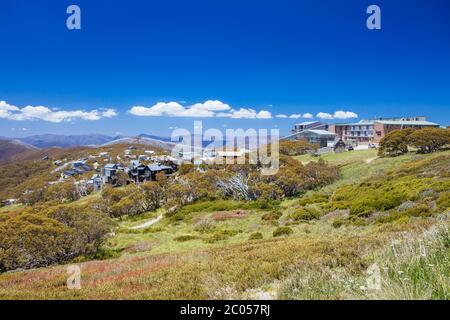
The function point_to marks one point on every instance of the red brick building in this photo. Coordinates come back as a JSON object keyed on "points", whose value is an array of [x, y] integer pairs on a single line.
{"points": [[372, 131]]}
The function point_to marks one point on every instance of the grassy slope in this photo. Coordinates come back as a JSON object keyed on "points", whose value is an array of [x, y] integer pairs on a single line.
{"points": [[154, 265]]}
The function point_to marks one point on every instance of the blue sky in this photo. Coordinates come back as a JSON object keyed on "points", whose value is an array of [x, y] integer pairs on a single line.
{"points": [[253, 59]]}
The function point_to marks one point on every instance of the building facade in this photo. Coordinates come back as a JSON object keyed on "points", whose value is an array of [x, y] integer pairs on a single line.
{"points": [[372, 131], [383, 127], [362, 131]]}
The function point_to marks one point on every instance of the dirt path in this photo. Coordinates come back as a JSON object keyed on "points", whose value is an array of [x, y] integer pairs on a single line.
{"points": [[370, 160], [148, 223]]}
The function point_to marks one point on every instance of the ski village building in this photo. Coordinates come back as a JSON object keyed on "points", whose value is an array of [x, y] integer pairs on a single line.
{"points": [[364, 131]]}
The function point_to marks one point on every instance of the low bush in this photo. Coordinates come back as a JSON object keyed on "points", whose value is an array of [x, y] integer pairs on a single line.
{"points": [[314, 198], [306, 214], [282, 231], [204, 225], [221, 235], [255, 236], [271, 216], [184, 238], [30, 239], [443, 201]]}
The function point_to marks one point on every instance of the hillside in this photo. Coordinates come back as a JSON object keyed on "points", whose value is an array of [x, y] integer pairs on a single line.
{"points": [[381, 211], [35, 169], [9, 149]]}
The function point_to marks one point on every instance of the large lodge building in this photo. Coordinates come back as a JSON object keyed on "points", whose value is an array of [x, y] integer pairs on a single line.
{"points": [[372, 131], [364, 131]]}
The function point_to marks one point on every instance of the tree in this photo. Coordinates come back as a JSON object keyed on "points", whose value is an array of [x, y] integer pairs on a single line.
{"points": [[154, 194], [32, 240], [42, 235], [428, 140], [394, 143]]}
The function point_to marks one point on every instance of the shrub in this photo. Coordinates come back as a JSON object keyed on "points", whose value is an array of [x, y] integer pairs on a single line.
{"points": [[256, 236], [295, 148], [184, 238], [204, 225], [54, 235], [282, 231], [443, 201], [306, 214], [271, 216], [31, 240], [221, 235], [312, 199]]}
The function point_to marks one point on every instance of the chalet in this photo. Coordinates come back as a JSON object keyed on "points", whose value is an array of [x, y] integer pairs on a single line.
{"points": [[109, 171], [57, 162], [96, 181], [139, 172]]}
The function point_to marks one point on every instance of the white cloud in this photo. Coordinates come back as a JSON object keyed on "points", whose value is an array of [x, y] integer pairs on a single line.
{"points": [[243, 113], [209, 108], [109, 113], [212, 105], [308, 116], [282, 116], [174, 109], [295, 116], [345, 115], [11, 112], [247, 113], [263, 114], [337, 115], [324, 115]]}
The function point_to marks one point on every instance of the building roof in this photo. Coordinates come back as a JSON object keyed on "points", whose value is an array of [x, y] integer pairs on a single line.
{"points": [[306, 123], [111, 166], [320, 132], [360, 123], [407, 123]]}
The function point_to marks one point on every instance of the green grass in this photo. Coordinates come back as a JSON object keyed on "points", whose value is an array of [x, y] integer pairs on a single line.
{"points": [[416, 267]]}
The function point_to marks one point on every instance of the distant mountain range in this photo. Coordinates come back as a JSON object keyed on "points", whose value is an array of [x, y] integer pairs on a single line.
{"points": [[44, 141], [66, 141]]}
